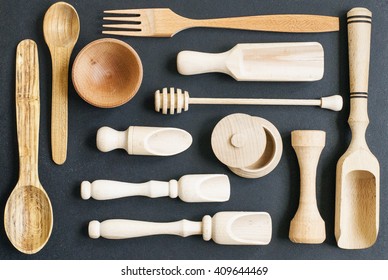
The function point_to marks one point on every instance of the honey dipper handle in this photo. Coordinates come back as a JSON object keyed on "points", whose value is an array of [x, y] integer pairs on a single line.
{"points": [[359, 37], [106, 189], [27, 110]]}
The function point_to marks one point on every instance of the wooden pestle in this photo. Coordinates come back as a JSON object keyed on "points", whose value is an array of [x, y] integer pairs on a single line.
{"points": [[307, 226]]}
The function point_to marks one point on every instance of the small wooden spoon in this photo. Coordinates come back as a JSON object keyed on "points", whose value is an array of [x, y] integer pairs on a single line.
{"points": [[61, 30], [28, 216]]}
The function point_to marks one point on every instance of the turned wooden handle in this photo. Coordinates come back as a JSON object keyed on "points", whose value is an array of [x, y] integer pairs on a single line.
{"points": [[122, 229], [192, 62], [307, 226], [27, 111], [359, 36], [107, 189]]}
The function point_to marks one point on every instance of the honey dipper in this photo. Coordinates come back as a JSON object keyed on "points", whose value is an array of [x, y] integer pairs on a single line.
{"points": [[179, 100]]}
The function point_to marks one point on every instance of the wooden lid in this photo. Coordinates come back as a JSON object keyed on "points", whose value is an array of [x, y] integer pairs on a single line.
{"points": [[238, 141]]}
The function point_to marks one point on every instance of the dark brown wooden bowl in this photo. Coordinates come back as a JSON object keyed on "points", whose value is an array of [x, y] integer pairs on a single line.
{"points": [[107, 73]]}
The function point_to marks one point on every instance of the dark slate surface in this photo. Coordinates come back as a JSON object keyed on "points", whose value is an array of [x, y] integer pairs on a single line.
{"points": [[276, 193]]}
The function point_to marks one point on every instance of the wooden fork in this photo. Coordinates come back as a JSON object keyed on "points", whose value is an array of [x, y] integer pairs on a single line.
{"points": [[165, 23]]}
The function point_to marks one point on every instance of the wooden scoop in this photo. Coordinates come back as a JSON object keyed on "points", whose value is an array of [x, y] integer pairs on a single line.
{"points": [[61, 30], [358, 170], [189, 188], [226, 228], [259, 62], [142, 140], [28, 216]]}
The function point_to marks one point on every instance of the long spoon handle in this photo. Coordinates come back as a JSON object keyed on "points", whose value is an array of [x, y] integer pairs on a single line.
{"points": [[359, 37], [59, 107], [27, 110]]}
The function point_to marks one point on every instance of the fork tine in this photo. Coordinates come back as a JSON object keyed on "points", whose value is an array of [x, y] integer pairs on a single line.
{"points": [[137, 33], [127, 11], [122, 26], [131, 19]]}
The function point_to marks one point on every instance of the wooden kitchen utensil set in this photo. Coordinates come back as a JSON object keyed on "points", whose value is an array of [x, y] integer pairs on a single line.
{"points": [[250, 146]]}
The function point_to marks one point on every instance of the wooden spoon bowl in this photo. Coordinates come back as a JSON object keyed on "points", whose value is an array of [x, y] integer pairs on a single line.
{"points": [[28, 233], [107, 73]]}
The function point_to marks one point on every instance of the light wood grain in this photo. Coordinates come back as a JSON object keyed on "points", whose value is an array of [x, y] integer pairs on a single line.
{"points": [[189, 188], [171, 100], [226, 228], [358, 171], [61, 30], [278, 62], [251, 147], [28, 216], [307, 226], [271, 156], [162, 22], [237, 141], [142, 140], [107, 73]]}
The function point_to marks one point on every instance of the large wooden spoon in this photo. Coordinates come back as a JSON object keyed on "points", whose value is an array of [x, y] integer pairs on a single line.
{"points": [[28, 216], [61, 28]]}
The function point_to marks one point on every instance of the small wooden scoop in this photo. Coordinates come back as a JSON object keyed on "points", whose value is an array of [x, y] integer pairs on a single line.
{"points": [[358, 170], [226, 228], [141, 140], [189, 188], [259, 62], [28, 216]]}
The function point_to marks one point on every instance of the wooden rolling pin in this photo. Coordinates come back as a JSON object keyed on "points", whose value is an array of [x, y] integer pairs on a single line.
{"points": [[189, 188], [289, 62], [176, 99], [307, 226], [227, 228]]}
